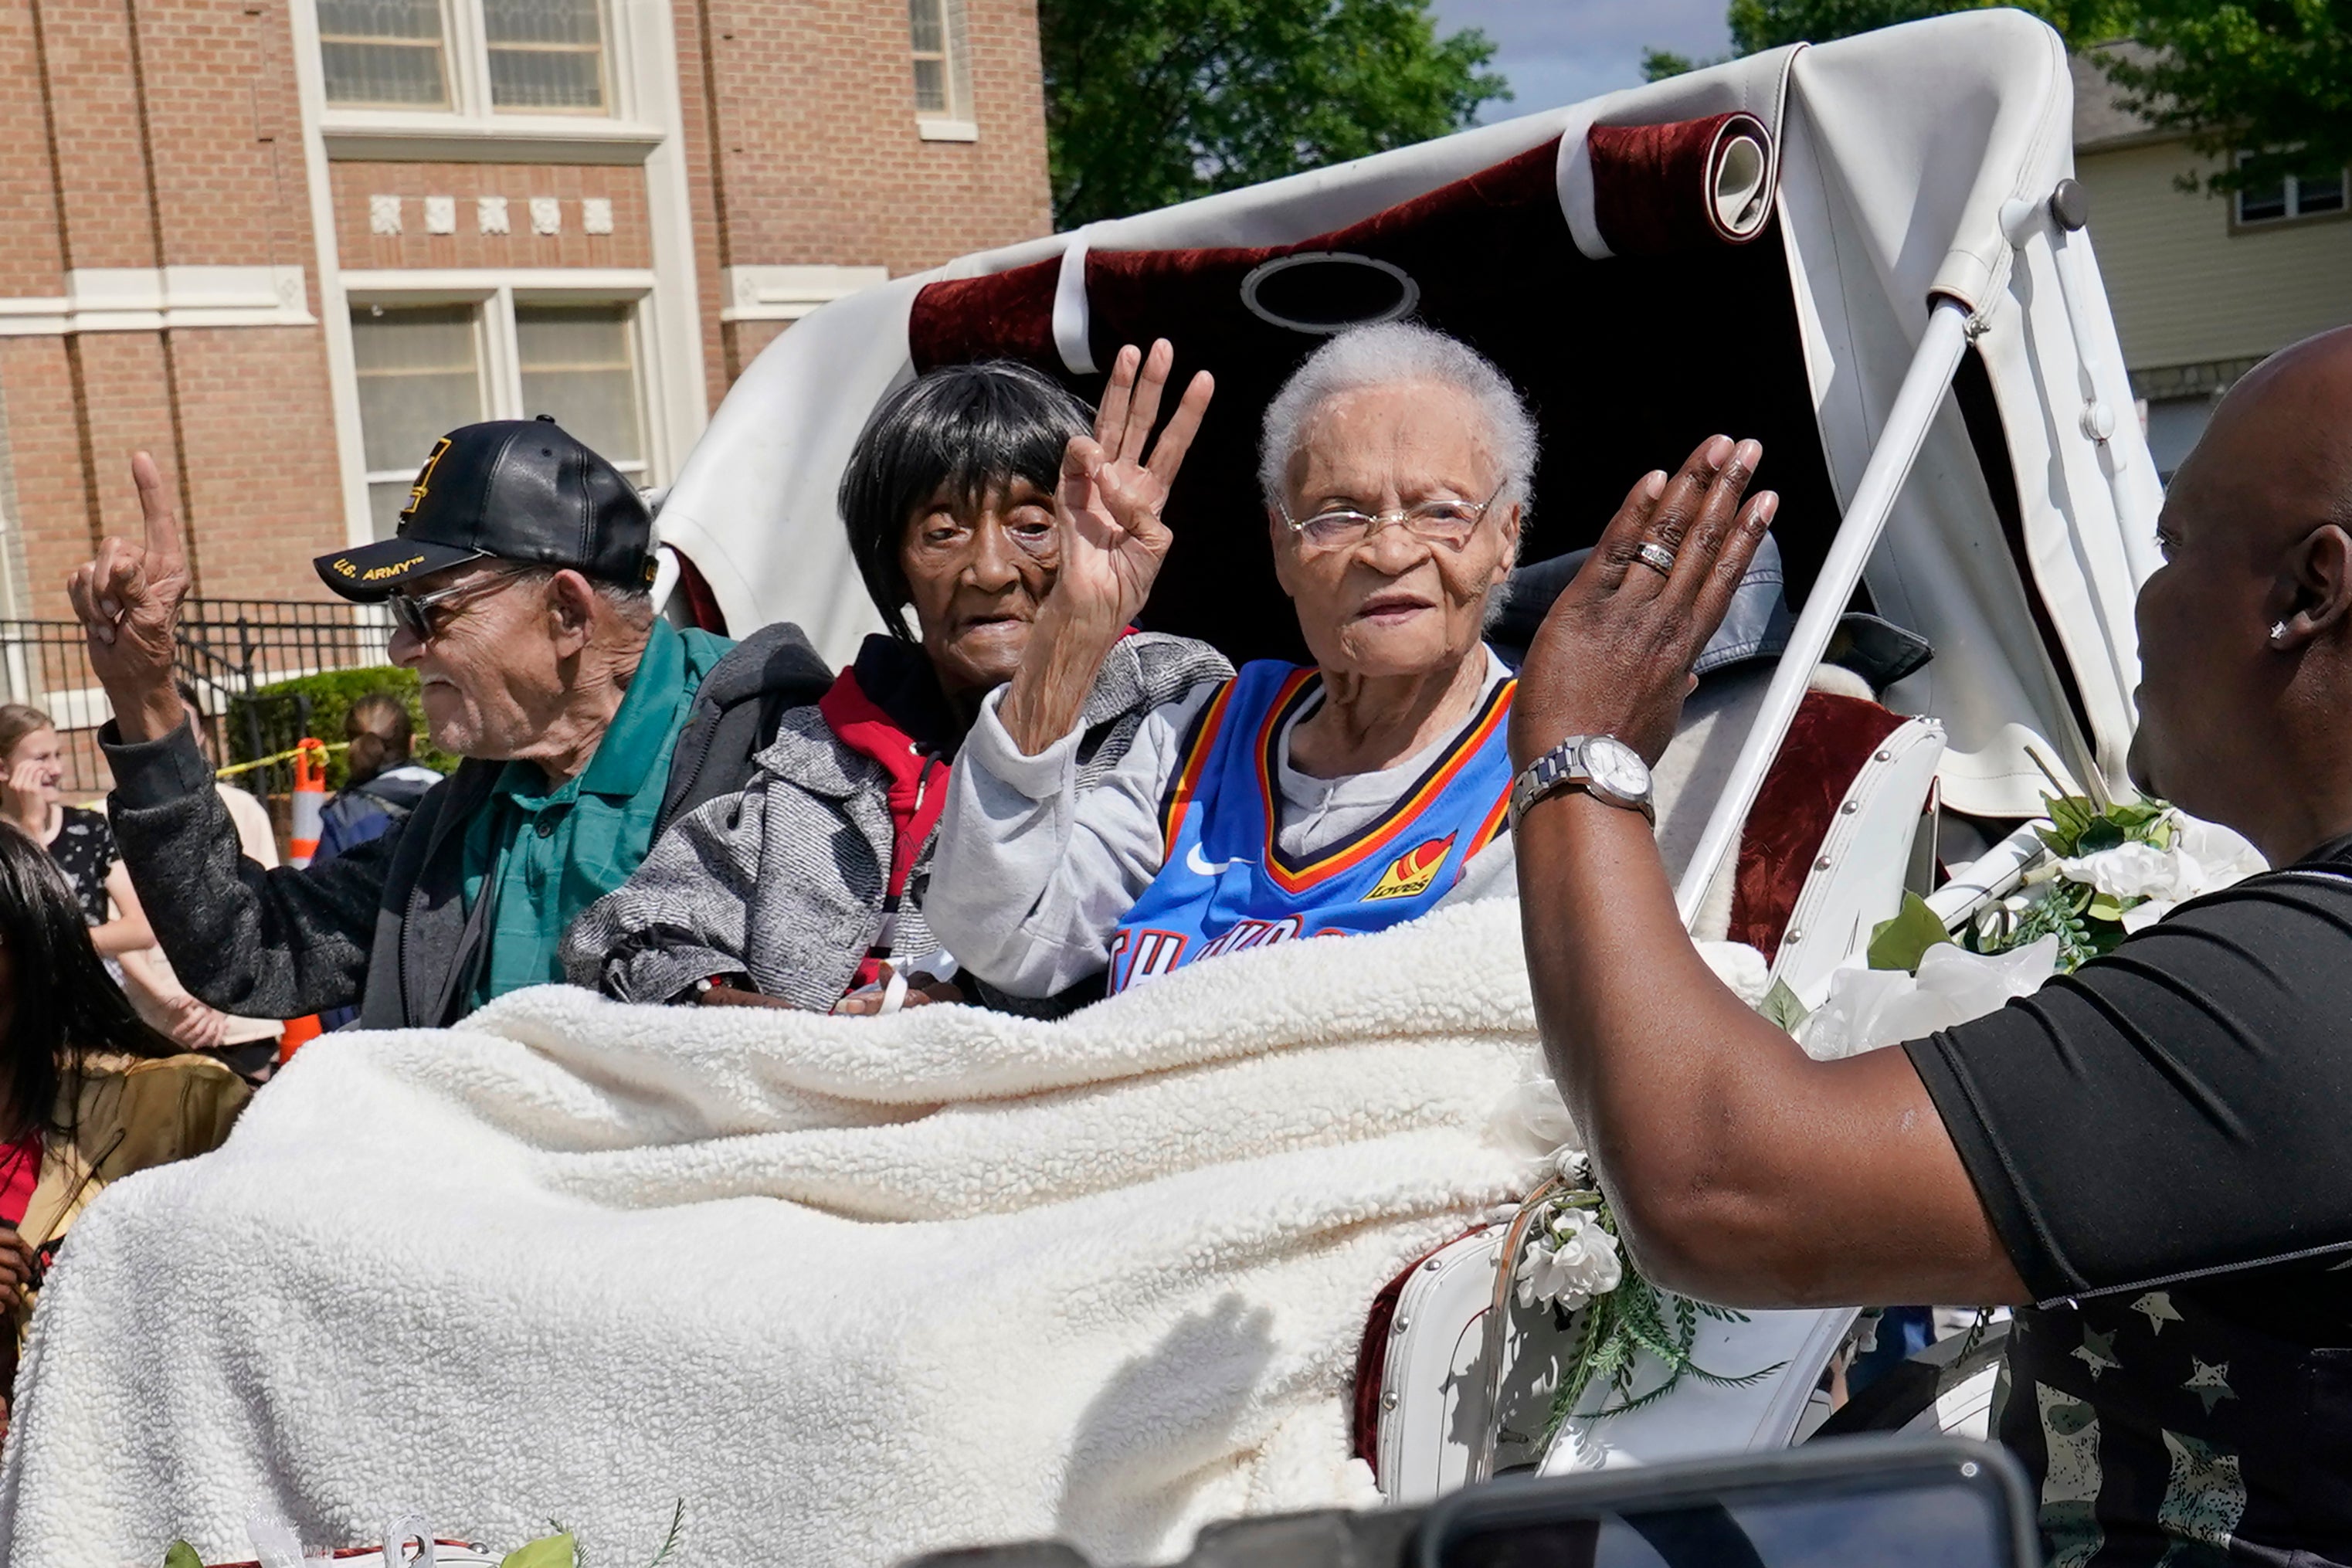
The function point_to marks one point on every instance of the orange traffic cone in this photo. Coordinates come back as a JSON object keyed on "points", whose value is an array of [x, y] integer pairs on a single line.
{"points": [[297, 1032], [301, 842], [309, 801]]}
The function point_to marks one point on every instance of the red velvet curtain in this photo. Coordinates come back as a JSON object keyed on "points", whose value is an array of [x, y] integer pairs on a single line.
{"points": [[1628, 362]]}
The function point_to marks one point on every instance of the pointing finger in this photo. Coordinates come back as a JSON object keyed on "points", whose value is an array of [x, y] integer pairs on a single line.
{"points": [[155, 506]]}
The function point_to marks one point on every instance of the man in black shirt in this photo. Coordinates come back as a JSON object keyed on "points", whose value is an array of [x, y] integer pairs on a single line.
{"points": [[2156, 1149]]}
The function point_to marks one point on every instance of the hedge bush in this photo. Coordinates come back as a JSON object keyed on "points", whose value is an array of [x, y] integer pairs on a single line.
{"points": [[315, 705]]}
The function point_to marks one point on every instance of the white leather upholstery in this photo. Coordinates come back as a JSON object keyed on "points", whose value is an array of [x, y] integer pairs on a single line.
{"points": [[1858, 873]]}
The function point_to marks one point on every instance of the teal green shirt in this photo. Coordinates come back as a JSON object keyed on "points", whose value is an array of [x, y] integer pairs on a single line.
{"points": [[548, 854]]}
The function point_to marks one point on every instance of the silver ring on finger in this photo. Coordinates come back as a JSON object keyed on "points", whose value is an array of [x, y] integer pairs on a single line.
{"points": [[1656, 557]]}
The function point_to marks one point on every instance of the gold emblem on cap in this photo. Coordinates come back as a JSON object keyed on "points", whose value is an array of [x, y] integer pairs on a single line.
{"points": [[423, 487]]}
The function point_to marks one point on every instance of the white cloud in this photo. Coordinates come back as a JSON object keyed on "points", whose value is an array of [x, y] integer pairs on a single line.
{"points": [[1562, 51]]}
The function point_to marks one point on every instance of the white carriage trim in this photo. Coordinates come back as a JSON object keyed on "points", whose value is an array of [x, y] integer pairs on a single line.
{"points": [[1938, 356]]}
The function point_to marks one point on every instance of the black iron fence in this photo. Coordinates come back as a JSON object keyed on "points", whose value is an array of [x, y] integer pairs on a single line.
{"points": [[230, 650]]}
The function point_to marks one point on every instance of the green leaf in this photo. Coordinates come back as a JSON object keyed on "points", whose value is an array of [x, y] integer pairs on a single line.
{"points": [[2100, 835], [1781, 1009], [182, 1555], [2106, 908], [547, 1552], [1902, 942]]}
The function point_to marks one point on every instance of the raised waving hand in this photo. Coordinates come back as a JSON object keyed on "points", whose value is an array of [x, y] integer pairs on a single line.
{"points": [[127, 598], [1107, 506]]}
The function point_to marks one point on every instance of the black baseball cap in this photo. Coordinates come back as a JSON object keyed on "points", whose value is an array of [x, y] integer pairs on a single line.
{"points": [[525, 491]]}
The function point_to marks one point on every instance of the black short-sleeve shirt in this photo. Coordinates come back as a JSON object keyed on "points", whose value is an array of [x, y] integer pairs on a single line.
{"points": [[2163, 1141], [84, 851]]}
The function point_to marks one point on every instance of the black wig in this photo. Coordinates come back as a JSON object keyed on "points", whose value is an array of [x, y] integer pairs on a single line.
{"points": [[970, 428]]}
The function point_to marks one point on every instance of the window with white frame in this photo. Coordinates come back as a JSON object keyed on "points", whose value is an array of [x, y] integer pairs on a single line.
{"points": [[578, 363], [546, 56], [942, 53], [2305, 192], [419, 369], [526, 57], [383, 53], [426, 369]]}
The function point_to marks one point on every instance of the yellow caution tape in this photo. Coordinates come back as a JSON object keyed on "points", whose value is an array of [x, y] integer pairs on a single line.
{"points": [[286, 756]]}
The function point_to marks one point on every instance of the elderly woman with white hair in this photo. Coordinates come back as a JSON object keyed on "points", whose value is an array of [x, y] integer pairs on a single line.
{"points": [[1329, 799]]}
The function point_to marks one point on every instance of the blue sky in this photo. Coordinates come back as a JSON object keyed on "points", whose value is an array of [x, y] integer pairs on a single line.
{"points": [[1558, 51]]}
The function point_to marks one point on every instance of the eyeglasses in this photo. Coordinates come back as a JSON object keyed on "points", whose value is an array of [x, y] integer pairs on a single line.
{"points": [[416, 612], [1448, 522]]}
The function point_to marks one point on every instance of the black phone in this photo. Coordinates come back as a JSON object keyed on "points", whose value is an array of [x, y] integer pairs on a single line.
{"points": [[1839, 1503]]}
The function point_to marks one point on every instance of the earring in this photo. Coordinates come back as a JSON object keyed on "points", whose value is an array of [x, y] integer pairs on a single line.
{"points": [[2278, 631]]}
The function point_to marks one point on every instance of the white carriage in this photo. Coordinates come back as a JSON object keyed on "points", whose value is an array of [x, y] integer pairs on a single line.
{"points": [[1871, 255]]}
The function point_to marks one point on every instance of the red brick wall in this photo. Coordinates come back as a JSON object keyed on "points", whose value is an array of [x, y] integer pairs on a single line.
{"points": [[629, 244], [30, 263], [802, 144], [202, 95], [177, 142]]}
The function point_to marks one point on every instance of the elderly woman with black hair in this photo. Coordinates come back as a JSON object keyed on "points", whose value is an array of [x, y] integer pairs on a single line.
{"points": [[808, 884], [1338, 797]]}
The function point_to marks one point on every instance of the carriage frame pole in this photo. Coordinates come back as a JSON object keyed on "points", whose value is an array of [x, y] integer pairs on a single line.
{"points": [[1933, 365]]}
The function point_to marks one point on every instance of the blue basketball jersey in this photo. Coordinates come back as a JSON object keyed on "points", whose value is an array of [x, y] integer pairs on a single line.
{"points": [[1226, 885]]}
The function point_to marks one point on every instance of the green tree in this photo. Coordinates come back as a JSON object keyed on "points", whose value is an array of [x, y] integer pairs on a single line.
{"points": [[1767, 23], [2271, 77], [1153, 102], [1757, 25]]}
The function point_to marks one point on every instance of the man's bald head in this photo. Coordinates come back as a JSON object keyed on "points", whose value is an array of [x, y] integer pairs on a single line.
{"points": [[2246, 634], [2278, 453]]}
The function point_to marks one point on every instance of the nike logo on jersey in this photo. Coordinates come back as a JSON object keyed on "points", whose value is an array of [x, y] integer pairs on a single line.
{"points": [[1200, 864]]}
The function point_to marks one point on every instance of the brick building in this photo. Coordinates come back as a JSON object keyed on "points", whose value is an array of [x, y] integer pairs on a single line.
{"points": [[285, 242]]}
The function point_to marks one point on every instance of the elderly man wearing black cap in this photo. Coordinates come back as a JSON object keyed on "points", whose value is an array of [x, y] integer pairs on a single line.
{"points": [[519, 585]]}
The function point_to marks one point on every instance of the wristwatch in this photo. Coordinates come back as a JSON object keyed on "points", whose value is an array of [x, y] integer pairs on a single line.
{"points": [[1603, 766]]}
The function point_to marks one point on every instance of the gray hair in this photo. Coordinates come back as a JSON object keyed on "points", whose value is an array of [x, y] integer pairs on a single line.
{"points": [[634, 602], [1383, 355]]}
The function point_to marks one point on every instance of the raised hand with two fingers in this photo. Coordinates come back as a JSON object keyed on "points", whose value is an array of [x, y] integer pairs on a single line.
{"points": [[128, 599], [1113, 487]]}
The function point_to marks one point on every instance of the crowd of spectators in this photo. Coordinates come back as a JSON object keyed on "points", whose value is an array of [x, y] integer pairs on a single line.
{"points": [[1014, 798]]}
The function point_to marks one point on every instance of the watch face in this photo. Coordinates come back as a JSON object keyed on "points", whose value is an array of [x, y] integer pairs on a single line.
{"points": [[1617, 768]]}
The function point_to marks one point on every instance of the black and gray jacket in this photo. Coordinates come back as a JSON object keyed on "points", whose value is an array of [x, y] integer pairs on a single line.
{"points": [[384, 926], [785, 882]]}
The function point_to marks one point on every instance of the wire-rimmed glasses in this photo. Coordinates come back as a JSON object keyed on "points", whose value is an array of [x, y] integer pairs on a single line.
{"points": [[1444, 520]]}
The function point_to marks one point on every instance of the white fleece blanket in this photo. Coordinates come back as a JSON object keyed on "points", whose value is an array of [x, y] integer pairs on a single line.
{"points": [[851, 1288]]}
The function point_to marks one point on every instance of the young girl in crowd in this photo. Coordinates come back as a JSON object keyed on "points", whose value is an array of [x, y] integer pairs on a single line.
{"points": [[82, 845], [88, 1094], [77, 839]]}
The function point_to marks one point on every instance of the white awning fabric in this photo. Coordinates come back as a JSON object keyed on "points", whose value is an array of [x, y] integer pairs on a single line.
{"points": [[1908, 162]]}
